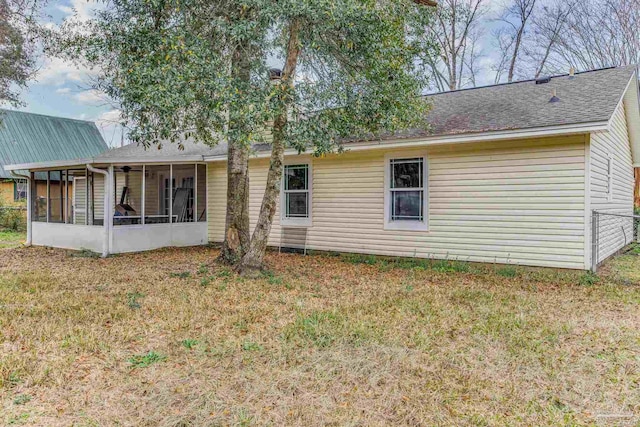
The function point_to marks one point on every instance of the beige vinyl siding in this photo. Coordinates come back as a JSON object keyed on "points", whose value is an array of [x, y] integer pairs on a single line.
{"points": [[520, 202], [614, 233], [98, 197]]}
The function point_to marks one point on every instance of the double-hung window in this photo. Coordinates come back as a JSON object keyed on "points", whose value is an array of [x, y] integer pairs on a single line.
{"points": [[406, 196], [296, 195]]}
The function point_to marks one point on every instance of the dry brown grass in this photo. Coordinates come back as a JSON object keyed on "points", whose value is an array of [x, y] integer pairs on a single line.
{"points": [[170, 338]]}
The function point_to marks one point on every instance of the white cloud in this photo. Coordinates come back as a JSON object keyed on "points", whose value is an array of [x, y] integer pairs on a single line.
{"points": [[81, 10], [90, 97], [109, 125], [63, 90], [57, 72], [109, 117]]}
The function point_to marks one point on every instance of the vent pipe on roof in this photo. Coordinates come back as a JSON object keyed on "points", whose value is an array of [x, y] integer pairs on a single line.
{"points": [[572, 73], [554, 96], [275, 74]]}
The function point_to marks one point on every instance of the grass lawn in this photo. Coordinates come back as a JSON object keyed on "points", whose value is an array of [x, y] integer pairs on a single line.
{"points": [[11, 238], [170, 338]]}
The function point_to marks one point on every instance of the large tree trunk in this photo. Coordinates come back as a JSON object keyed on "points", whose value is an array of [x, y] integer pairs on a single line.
{"points": [[237, 234], [252, 261]]}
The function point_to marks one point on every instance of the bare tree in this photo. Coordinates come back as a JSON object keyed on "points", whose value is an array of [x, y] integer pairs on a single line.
{"points": [[456, 33], [600, 33], [546, 31], [516, 16]]}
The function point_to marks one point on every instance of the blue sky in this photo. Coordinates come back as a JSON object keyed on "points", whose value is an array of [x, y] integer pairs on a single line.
{"points": [[63, 89]]}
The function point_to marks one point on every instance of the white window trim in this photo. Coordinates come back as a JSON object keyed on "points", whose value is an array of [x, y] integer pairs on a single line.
{"points": [[297, 222], [609, 167], [404, 224]]}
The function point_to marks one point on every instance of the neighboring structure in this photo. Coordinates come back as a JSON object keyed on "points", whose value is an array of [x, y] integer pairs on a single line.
{"points": [[505, 174], [31, 138]]}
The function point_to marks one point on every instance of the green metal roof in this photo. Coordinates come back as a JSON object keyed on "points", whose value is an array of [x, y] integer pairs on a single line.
{"points": [[29, 138]]}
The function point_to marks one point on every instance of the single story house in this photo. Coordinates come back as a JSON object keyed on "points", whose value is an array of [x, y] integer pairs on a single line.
{"points": [[508, 173], [32, 138]]}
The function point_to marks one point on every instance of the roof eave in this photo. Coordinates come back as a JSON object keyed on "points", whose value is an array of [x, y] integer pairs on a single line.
{"points": [[548, 131], [99, 161], [631, 100]]}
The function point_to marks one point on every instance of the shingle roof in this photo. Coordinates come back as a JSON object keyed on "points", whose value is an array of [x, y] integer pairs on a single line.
{"points": [[31, 138], [588, 97]]}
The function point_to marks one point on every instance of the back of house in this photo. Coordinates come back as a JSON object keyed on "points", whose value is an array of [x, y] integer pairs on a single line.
{"points": [[508, 173]]}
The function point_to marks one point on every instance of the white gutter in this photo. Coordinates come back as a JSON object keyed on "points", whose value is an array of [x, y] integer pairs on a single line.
{"points": [[107, 208], [29, 204], [114, 161], [563, 130], [46, 165]]}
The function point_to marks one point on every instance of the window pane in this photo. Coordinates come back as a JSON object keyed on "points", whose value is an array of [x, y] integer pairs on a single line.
{"points": [[39, 196], [128, 194], [56, 197], [297, 205], [406, 205], [19, 190], [183, 192], [201, 210], [156, 194], [406, 173], [77, 195], [295, 177]]}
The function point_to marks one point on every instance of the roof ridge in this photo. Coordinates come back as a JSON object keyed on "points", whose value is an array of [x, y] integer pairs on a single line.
{"points": [[528, 80], [8, 110]]}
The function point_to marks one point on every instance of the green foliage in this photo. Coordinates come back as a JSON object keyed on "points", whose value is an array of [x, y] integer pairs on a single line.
{"points": [[180, 274], [17, 64], [189, 344], [145, 360], [85, 253], [22, 399], [13, 218], [251, 346], [194, 68], [132, 300], [360, 259], [203, 269], [507, 271], [589, 279]]}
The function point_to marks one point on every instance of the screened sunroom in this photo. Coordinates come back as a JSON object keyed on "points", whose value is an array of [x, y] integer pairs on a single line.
{"points": [[116, 207]]}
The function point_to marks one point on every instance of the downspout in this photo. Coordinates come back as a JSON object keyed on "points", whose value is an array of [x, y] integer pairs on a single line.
{"points": [[107, 208], [29, 204]]}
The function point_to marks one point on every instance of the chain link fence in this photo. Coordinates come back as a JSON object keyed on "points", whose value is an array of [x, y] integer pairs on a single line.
{"points": [[611, 232]]}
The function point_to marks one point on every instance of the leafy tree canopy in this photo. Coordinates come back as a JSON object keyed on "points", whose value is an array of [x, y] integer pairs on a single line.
{"points": [[16, 47], [170, 65]]}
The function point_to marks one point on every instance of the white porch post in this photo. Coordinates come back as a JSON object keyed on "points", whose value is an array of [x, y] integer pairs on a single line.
{"points": [[109, 210], [144, 196], [170, 193], [48, 196], [29, 204], [195, 193], [107, 206]]}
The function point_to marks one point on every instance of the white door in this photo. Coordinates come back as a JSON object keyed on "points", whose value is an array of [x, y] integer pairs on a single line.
{"points": [[79, 200]]}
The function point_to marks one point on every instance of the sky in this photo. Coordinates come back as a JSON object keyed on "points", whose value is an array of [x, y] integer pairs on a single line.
{"points": [[61, 88]]}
